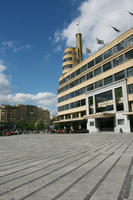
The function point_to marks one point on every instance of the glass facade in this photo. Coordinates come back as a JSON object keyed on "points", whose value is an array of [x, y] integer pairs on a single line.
{"points": [[107, 66], [107, 54], [119, 99], [104, 101]]}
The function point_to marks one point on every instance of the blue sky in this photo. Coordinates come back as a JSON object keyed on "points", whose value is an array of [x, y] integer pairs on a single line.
{"points": [[34, 34]]}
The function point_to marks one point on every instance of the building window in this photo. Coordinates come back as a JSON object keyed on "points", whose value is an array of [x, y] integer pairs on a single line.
{"points": [[82, 79], [83, 113], [67, 59], [71, 105], [107, 66], [108, 53], [98, 59], [91, 108], [120, 75], [129, 55], [91, 123], [78, 72], [117, 61], [119, 47], [130, 71], [91, 64], [75, 115], [61, 117], [67, 67], [120, 121], [68, 116], [84, 68], [97, 71], [68, 52], [130, 89], [90, 87], [89, 75], [104, 101], [73, 75], [119, 99], [83, 102], [108, 80], [98, 84], [77, 104], [129, 40]]}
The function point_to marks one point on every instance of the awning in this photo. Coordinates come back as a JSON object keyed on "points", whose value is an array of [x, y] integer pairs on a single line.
{"points": [[99, 115]]}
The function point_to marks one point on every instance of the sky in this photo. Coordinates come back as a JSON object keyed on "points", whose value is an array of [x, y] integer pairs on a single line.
{"points": [[34, 34]]}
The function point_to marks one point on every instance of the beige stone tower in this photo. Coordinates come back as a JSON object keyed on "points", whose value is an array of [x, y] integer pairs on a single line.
{"points": [[72, 56]]}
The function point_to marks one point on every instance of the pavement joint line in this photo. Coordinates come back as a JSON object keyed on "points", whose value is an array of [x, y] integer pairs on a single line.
{"points": [[127, 147], [113, 145], [41, 163], [81, 177], [101, 180], [45, 167], [50, 145], [51, 182], [40, 159], [125, 185]]}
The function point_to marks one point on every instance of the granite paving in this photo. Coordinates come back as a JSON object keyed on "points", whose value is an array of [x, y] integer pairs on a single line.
{"points": [[66, 167]]}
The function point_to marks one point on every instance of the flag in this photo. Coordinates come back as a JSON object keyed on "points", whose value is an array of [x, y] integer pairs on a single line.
{"points": [[99, 41], [130, 13], [117, 30], [88, 50]]}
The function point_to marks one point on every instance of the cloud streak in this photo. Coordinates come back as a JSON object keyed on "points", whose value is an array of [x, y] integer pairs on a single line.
{"points": [[13, 46]]}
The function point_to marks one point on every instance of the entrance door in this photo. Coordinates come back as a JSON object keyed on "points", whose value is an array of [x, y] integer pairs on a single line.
{"points": [[105, 124]]}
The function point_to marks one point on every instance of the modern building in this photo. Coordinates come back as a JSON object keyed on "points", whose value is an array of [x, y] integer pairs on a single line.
{"points": [[97, 93], [28, 113]]}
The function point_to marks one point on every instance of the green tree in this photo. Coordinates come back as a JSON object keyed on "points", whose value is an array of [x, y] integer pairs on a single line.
{"points": [[31, 125], [40, 125], [22, 125]]}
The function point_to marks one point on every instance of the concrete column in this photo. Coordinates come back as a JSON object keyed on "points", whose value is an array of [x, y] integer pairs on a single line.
{"points": [[125, 98], [114, 100], [94, 104]]}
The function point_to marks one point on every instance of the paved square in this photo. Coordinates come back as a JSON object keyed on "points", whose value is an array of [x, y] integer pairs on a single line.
{"points": [[66, 167]]}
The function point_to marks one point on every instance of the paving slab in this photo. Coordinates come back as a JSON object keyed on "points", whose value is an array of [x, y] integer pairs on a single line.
{"points": [[66, 167]]}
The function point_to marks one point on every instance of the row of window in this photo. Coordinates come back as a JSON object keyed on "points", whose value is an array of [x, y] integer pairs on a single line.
{"points": [[67, 59], [100, 58], [110, 79], [74, 115], [68, 52], [67, 66], [72, 105], [115, 62]]}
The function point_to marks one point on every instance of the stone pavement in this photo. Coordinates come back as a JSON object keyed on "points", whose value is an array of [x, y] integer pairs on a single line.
{"points": [[66, 167]]}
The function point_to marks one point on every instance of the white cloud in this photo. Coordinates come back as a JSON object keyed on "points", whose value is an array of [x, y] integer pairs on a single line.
{"points": [[4, 82], [95, 20], [45, 100], [57, 36]]}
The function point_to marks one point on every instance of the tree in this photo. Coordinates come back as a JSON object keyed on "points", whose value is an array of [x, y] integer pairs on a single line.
{"points": [[39, 125], [31, 125], [22, 125]]}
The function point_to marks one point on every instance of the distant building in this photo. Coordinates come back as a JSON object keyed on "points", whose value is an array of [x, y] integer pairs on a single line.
{"points": [[28, 113], [97, 93]]}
